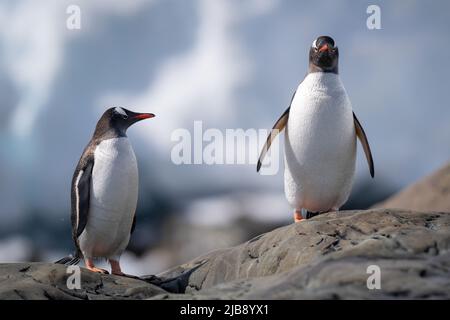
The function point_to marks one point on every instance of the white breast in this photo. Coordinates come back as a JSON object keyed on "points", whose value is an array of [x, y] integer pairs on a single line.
{"points": [[320, 144], [113, 199]]}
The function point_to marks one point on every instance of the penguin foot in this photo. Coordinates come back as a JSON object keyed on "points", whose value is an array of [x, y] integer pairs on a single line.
{"points": [[115, 268], [90, 266], [298, 216], [98, 270]]}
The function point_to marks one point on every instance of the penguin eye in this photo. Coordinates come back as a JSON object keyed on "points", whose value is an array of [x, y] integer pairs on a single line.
{"points": [[125, 117]]}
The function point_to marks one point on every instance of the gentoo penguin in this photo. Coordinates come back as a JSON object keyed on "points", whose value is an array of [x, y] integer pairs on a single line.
{"points": [[105, 192], [320, 138]]}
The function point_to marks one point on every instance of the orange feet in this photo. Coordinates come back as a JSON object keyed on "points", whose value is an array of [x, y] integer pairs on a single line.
{"points": [[298, 216], [116, 270], [90, 266]]}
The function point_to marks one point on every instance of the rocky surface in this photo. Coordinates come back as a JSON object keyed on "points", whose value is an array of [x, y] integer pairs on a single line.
{"points": [[328, 257], [32, 281], [324, 257], [431, 193]]}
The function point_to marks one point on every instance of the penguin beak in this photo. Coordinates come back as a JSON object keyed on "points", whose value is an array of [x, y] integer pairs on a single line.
{"points": [[323, 48], [142, 116]]}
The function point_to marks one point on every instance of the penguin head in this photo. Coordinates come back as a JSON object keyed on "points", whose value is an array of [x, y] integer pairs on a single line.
{"points": [[323, 55], [117, 120]]}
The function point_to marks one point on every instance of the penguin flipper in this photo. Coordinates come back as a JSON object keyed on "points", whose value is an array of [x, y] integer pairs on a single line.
{"points": [[277, 128], [365, 144], [133, 226], [81, 192]]}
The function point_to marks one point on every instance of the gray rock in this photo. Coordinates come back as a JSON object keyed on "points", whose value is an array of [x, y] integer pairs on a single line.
{"points": [[431, 193], [341, 279], [327, 257], [38, 281]]}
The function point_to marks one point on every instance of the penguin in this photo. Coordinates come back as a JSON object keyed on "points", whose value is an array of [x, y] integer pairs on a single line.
{"points": [[104, 192], [320, 138]]}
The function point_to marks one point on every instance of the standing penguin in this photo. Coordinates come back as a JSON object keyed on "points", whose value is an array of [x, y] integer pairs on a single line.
{"points": [[105, 192], [320, 139]]}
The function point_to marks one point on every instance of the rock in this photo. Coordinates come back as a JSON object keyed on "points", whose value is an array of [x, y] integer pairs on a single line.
{"points": [[32, 281], [429, 194], [344, 278], [328, 256]]}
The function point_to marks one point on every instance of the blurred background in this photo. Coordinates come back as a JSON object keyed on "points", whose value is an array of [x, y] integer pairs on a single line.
{"points": [[231, 64]]}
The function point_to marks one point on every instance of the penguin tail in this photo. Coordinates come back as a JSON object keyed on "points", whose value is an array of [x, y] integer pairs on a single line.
{"points": [[69, 260]]}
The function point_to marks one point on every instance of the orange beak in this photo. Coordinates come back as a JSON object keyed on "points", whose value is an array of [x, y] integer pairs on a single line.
{"points": [[144, 116], [323, 48]]}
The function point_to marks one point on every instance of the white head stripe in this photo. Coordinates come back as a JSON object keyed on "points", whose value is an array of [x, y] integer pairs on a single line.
{"points": [[314, 44], [120, 110]]}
